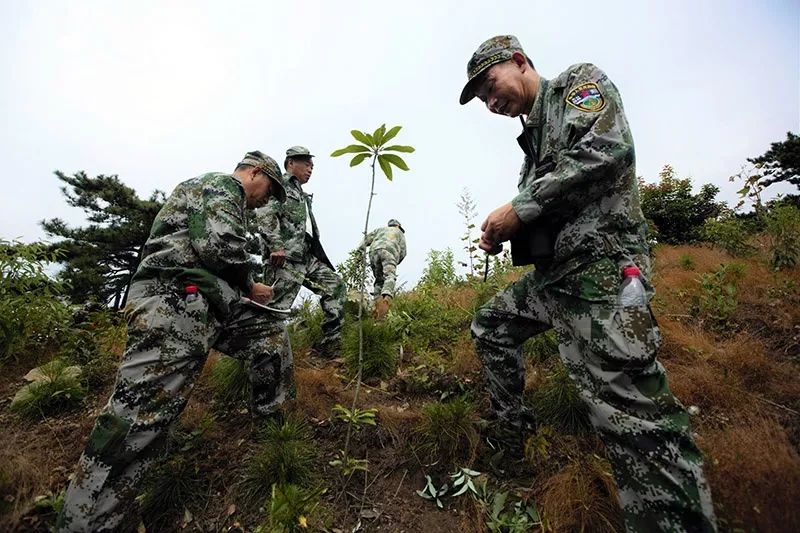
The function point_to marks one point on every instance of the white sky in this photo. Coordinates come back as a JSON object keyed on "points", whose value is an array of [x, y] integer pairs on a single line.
{"points": [[158, 92]]}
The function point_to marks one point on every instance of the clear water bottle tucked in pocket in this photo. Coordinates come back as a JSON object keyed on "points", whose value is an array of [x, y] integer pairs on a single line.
{"points": [[631, 292], [192, 293]]}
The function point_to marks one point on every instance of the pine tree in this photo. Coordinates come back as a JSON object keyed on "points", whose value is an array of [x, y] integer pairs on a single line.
{"points": [[100, 259]]}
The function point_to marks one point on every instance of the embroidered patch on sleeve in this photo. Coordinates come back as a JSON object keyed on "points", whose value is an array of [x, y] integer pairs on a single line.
{"points": [[586, 97]]}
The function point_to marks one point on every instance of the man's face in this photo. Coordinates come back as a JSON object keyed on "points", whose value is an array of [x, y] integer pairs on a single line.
{"points": [[257, 189], [301, 169], [502, 89]]}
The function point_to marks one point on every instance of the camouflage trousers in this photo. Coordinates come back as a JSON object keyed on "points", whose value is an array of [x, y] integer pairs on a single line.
{"points": [[610, 354], [168, 343], [320, 279], [384, 267]]}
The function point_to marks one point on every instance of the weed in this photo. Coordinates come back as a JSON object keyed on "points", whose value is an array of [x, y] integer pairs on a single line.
{"points": [[348, 465], [286, 455], [50, 503], [502, 516], [686, 262], [355, 417], [557, 402], [440, 270], [230, 381], [380, 349], [718, 300], [306, 330], [54, 386], [463, 477], [730, 234], [448, 431], [430, 492], [540, 348], [289, 508], [783, 228]]}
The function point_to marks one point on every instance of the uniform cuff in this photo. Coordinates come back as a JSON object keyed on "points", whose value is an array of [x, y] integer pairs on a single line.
{"points": [[527, 210]]}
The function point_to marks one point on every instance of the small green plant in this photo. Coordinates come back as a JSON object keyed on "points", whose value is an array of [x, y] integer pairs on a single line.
{"points": [[783, 228], [557, 402], [541, 348], [305, 330], [440, 270], [448, 431], [355, 417], [229, 381], [349, 465], [289, 508], [537, 447], [718, 297], [463, 478], [380, 348], [53, 387], [285, 456], [686, 262], [728, 233], [430, 492], [518, 517]]}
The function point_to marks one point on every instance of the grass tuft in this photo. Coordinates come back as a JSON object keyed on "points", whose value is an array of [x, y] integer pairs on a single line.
{"points": [[380, 349], [448, 431], [54, 387]]}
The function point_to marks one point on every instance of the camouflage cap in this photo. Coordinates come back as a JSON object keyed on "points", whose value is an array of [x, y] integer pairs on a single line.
{"points": [[298, 151], [395, 222], [270, 167], [490, 52]]}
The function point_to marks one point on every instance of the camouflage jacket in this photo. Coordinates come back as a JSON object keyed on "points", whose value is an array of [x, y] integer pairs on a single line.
{"points": [[283, 226], [389, 238], [198, 238], [578, 193]]}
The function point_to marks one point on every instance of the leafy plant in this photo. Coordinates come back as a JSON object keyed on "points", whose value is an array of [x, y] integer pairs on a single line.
{"points": [[463, 478], [783, 228], [448, 431], [289, 508], [718, 297], [729, 233], [355, 417], [430, 492], [53, 386], [557, 402], [305, 330], [349, 465], [285, 456], [440, 270], [467, 209]]}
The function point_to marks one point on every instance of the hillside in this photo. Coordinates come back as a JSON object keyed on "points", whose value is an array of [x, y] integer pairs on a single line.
{"points": [[731, 328]]}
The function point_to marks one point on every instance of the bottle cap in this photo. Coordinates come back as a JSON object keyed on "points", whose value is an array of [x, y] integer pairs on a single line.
{"points": [[631, 272], [190, 289]]}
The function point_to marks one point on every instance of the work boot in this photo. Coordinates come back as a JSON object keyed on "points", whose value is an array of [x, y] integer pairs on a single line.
{"points": [[328, 348], [382, 307]]}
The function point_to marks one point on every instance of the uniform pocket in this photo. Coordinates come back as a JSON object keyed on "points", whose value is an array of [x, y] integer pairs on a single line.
{"points": [[625, 336]]}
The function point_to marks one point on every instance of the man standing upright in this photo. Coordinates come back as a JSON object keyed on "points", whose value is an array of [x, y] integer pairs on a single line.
{"points": [[293, 254], [185, 298], [387, 249], [577, 218]]}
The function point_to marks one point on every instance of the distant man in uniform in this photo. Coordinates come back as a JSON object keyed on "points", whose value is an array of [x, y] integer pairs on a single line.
{"points": [[184, 299], [387, 249], [293, 254], [577, 218]]}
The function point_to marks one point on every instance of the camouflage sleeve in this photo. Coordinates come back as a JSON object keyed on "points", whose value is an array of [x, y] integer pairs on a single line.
{"points": [[601, 148], [218, 232], [268, 222], [368, 239]]}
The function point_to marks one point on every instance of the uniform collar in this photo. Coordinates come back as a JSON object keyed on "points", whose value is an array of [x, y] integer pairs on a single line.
{"points": [[535, 115]]}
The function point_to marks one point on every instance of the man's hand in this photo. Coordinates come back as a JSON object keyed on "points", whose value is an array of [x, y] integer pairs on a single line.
{"points": [[261, 293], [278, 258], [501, 224]]}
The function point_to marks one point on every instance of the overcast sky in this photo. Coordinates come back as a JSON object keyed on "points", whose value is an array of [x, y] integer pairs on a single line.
{"points": [[158, 92]]}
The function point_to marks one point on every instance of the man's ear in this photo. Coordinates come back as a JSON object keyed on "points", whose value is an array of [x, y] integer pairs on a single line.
{"points": [[520, 60]]}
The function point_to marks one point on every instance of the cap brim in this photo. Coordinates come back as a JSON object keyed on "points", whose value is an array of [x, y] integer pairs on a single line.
{"points": [[277, 191], [468, 92]]}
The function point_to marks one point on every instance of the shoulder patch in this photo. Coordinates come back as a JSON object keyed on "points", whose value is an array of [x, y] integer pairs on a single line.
{"points": [[586, 97]]}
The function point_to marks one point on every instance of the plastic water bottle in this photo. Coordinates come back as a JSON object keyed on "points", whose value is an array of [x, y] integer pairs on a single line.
{"points": [[631, 292], [191, 293]]}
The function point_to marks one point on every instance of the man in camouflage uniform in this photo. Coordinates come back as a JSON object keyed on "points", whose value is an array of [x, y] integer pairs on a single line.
{"points": [[577, 218], [184, 299], [293, 254], [387, 249]]}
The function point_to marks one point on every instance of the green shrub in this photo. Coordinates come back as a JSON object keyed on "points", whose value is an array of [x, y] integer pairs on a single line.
{"points": [[306, 330], [557, 402], [230, 381], [289, 508], [380, 349], [686, 262], [426, 323], [440, 270], [783, 228], [54, 387], [448, 432], [540, 348], [728, 233], [285, 455], [718, 296], [33, 319]]}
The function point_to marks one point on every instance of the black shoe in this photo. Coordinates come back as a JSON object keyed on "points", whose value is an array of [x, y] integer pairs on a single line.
{"points": [[328, 349]]}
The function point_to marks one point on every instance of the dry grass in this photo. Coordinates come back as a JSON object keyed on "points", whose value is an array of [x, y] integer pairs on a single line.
{"points": [[318, 391]]}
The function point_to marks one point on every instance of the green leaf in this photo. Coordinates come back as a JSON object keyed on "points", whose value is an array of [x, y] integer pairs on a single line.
{"points": [[396, 160], [391, 134], [362, 137], [385, 166], [350, 149], [377, 136], [743, 191], [400, 148], [358, 159]]}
